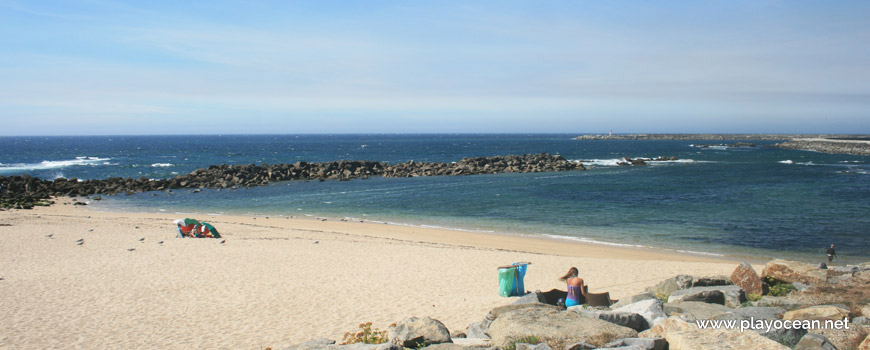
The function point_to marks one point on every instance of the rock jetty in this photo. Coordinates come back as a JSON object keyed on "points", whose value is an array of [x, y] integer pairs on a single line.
{"points": [[683, 312], [825, 145], [24, 191], [762, 137]]}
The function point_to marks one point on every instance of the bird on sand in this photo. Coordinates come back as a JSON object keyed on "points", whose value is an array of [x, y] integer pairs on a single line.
{"points": [[49, 235], [131, 249], [142, 239], [224, 241], [161, 242], [91, 230], [80, 242], [315, 242]]}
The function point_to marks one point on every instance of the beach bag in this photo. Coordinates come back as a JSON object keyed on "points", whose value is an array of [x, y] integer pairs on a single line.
{"points": [[510, 280]]}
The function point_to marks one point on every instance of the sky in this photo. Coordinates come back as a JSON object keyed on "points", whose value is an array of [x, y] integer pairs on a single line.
{"points": [[106, 67]]}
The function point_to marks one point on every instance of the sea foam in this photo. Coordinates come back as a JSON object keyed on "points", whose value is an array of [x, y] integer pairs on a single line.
{"points": [[56, 164]]}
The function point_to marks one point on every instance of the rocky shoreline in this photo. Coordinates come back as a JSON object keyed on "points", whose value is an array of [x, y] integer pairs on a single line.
{"points": [[24, 192], [860, 148], [834, 144], [669, 315]]}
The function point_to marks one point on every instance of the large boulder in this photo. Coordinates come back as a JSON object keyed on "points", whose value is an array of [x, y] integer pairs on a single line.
{"points": [[710, 281], [632, 299], [625, 319], [649, 309], [414, 332], [793, 271], [785, 302], [478, 330], [745, 277], [496, 312], [730, 296], [451, 346], [819, 312], [642, 343], [759, 312], [813, 341], [843, 338], [553, 324], [865, 345], [682, 335], [695, 310], [533, 297], [664, 288]]}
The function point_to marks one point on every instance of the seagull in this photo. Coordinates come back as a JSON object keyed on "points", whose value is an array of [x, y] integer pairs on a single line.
{"points": [[137, 227], [131, 249], [80, 243], [142, 239], [80, 240], [91, 230], [49, 235], [161, 242], [315, 242], [224, 241]]}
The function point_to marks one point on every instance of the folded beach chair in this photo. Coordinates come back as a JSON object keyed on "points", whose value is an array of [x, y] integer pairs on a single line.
{"points": [[598, 299]]}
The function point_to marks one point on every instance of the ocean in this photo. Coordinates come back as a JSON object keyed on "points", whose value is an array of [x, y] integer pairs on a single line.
{"points": [[756, 202]]}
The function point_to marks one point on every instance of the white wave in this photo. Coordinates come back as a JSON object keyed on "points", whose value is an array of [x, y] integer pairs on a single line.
{"points": [[666, 162], [592, 241], [602, 162], [805, 163], [617, 161], [56, 164], [787, 161], [161, 165], [698, 253]]}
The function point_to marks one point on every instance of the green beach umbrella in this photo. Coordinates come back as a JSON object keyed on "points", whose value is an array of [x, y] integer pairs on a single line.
{"points": [[189, 221], [211, 229]]}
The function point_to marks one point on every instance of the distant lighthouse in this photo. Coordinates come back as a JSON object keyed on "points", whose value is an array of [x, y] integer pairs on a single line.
{"points": [[611, 133]]}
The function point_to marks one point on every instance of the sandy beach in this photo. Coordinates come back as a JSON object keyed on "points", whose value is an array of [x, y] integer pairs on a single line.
{"points": [[275, 282]]}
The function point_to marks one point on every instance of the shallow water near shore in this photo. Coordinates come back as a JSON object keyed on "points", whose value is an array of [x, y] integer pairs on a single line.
{"points": [[755, 201]]}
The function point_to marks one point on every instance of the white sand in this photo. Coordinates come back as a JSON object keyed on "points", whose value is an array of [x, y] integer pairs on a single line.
{"points": [[270, 285]]}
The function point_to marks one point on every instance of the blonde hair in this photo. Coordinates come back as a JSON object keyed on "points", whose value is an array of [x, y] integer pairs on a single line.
{"points": [[572, 272]]}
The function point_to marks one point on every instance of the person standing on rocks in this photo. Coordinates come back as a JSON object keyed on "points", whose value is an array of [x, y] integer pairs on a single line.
{"points": [[576, 288], [831, 253]]}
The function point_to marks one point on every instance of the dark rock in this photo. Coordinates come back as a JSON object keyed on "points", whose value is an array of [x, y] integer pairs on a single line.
{"points": [[643, 343], [730, 296], [581, 345], [649, 309], [625, 319]]}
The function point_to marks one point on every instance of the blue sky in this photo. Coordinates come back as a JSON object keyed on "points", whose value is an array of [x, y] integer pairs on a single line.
{"points": [[171, 67]]}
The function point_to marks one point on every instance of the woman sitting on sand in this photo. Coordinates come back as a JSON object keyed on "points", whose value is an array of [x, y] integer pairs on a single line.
{"points": [[576, 288]]}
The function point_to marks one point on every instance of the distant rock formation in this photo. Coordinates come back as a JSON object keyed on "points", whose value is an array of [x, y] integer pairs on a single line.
{"points": [[771, 137], [835, 146], [24, 191]]}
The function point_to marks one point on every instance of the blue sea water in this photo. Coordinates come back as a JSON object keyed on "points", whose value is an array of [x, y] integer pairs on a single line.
{"points": [[758, 202]]}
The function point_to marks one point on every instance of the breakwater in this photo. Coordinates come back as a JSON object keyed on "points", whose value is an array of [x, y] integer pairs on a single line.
{"points": [[25, 191], [855, 147], [762, 137]]}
